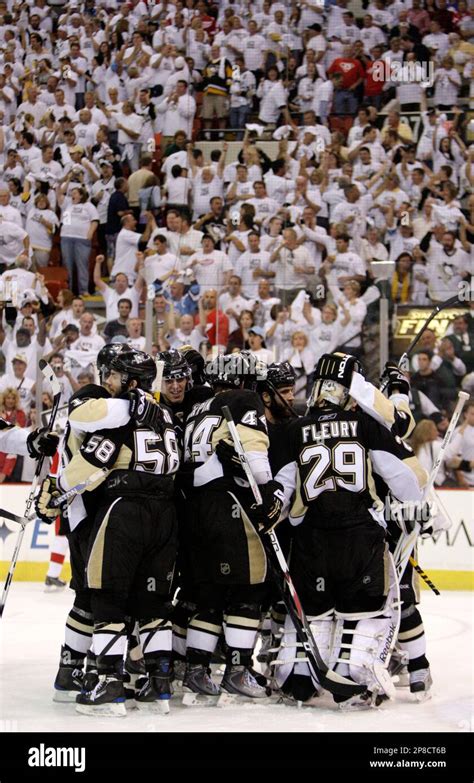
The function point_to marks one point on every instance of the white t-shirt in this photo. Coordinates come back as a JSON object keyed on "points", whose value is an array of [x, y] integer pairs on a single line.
{"points": [[11, 242], [125, 253], [76, 219], [210, 269], [112, 298], [245, 266], [39, 235]]}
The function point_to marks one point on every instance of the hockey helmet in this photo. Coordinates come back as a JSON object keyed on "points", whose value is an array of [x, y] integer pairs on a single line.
{"points": [[232, 370], [326, 389], [176, 367], [106, 354], [279, 375], [134, 365]]}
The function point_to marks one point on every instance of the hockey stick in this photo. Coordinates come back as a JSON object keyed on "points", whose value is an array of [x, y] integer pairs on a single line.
{"points": [[331, 681], [71, 493], [50, 377], [406, 355], [160, 366], [423, 575], [406, 543]]}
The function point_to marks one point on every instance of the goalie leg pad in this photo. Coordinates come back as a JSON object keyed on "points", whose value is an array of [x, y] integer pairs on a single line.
{"points": [[373, 639], [322, 627]]}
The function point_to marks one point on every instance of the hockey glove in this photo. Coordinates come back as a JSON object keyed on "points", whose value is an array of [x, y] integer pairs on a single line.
{"points": [[338, 368], [145, 411], [229, 459], [43, 500], [397, 382], [267, 515], [406, 515], [5, 425], [42, 443]]}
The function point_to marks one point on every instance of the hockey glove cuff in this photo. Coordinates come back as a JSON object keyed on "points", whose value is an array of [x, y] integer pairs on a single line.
{"points": [[145, 411], [408, 514], [397, 382], [42, 443], [48, 492], [268, 514], [338, 368]]}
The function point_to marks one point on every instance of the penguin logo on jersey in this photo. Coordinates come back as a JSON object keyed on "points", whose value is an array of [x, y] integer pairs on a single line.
{"points": [[225, 569]]}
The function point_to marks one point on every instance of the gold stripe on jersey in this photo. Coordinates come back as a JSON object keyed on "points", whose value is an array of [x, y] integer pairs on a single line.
{"points": [[384, 407], [207, 627], [255, 549], [100, 413], [298, 509], [378, 505], [238, 620], [252, 439], [96, 557], [420, 473]]}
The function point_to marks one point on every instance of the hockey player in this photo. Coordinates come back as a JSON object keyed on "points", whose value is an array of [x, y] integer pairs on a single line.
{"points": [[394, 412], [228, 557], [340, 557], [92, 414]]}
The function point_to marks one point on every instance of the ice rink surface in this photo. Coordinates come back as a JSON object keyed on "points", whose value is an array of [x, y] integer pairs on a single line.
{"points": [[32, 632]]}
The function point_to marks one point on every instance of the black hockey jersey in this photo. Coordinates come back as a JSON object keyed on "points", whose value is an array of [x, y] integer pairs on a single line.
{"points": [[332, 456], [101, 435], [206, 426]]}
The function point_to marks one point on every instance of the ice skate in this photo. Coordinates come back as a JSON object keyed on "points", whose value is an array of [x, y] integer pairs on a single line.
{"points": [[156, 690], [68, 684], [240, 683], [420, 684], [54, 583], [199, 689], [398, 668], [70, 676], [357, 702], [134, 678], [106, 699]]}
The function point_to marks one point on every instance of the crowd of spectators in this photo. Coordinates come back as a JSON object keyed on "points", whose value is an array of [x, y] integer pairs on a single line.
{"points": [[254, 168]]}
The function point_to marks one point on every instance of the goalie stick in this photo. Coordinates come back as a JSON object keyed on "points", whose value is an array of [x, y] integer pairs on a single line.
{"points": [[331, 681], [49, 377]]}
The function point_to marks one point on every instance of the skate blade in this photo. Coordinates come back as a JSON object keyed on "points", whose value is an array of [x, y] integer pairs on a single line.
{"points": [[112, 710], [191, 699], [130, 704], [421, 696], [65, 697], [160, 707], [230, 699]]}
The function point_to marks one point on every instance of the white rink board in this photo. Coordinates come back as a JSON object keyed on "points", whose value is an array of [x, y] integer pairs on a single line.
{"points": [[452, 552]]}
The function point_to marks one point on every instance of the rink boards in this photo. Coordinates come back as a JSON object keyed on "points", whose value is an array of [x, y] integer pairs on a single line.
{"points": [[448, 559]]}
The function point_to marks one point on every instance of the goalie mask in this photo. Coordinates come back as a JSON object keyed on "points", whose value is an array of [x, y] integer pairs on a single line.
{"points": [[326, 388]]}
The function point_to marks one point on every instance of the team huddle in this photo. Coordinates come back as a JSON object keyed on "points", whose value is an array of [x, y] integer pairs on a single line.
{"points": [[170, 557]]}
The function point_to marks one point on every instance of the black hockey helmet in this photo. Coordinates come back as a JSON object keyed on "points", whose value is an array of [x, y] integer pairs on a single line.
{"points": [[175, 365], [196, 362], [134, 365], [232, 370], [106, 354], [279, 374]]}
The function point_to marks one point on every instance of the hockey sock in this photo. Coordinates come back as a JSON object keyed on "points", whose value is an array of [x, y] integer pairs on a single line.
{"points": [[278, 615], [203, 634], [109, 646], [241, 626], [412, 638], [155, 639], [78, 632], [57, 556], [181, 615]]}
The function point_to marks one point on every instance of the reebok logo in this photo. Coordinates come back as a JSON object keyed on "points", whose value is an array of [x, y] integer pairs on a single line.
{"points": [[43, 756]]}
